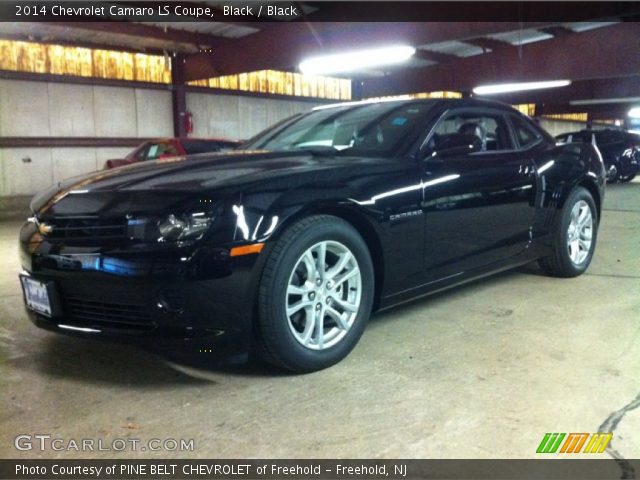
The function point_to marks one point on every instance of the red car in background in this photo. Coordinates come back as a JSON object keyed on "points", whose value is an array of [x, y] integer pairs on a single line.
{"points": [[171, 147]]}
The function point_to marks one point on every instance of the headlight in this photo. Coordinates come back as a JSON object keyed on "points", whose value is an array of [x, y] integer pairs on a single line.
{"points": [[173, 228], [180, 228]]}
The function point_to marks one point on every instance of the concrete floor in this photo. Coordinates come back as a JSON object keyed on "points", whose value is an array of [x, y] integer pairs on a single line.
{"points": [[482, 371]]}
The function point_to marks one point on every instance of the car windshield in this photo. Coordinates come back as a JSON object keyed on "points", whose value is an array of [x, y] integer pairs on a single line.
{"points": [[376, 129]]}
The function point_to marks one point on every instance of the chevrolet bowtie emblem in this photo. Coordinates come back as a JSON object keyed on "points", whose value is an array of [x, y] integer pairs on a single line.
{"points": [[43, 228]]}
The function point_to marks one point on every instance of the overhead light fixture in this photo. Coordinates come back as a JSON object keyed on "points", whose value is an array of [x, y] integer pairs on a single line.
{"points": [[600, 101], [519, 87], [634, 112], [357, 60]]}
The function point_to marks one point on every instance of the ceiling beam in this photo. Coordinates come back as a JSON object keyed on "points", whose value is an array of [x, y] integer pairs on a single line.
{"points": [[53, 39], [572, 57], [143, 31]]}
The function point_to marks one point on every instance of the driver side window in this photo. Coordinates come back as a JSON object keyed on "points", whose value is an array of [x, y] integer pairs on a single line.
{"points": [[482, 132]]}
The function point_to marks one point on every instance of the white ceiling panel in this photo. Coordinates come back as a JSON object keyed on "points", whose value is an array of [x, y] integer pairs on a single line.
{"points": [[521, 37], [585, 26], [454, 47]]}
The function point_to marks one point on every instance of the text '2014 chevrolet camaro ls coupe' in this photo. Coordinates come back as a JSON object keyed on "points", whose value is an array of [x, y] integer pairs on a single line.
{"points": [[287, 246]]}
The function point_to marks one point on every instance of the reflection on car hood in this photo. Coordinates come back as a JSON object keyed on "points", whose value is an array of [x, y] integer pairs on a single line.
{"points": [[166, 181]]}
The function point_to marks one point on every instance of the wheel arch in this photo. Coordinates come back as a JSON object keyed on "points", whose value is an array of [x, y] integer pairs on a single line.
{"points": [[561, 192], [592, 188], [363, 225]]}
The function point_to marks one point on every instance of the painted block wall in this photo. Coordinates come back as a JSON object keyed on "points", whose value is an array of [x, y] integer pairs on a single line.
{"points": [[238, 117], [41, 109], [556, 127]]}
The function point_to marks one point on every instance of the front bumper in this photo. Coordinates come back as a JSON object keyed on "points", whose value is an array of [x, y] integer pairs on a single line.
{"points": [[202, 298]]}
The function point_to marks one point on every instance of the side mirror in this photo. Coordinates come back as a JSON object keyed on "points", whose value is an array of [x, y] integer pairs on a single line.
{"points": [[455, 144]]}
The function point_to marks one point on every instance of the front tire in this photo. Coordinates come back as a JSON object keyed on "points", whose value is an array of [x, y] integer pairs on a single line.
{"points": [[316, 295], [574, 239]]}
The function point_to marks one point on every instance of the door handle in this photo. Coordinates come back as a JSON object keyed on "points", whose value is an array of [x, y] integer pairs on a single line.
{"points": [[526, 170]]}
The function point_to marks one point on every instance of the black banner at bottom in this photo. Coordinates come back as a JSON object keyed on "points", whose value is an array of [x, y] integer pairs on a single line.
{"points": [[318, 469]]}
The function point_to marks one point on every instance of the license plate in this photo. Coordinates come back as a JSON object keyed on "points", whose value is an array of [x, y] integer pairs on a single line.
{"points": [[36, 296]]}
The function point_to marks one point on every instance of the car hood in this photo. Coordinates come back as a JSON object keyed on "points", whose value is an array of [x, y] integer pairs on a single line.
{"points": [[157, 185]]}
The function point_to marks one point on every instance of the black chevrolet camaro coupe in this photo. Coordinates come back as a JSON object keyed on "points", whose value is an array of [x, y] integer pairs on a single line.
{"points": [[285, 247]]}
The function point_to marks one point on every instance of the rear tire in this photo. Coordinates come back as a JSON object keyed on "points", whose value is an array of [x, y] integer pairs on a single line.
{"points": [[627, 178], [316, 295], [574, 239]]}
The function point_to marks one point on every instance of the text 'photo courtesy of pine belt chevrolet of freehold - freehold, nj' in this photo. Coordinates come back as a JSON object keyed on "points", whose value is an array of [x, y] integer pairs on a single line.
{"points": [[362, 239]]}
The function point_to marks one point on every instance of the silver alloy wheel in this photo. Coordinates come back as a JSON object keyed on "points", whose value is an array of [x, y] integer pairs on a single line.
{"points": [[323, 295], [580, 233]]}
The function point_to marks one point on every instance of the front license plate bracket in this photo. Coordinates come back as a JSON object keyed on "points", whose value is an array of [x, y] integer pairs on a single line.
{"points": [[40, 296]]}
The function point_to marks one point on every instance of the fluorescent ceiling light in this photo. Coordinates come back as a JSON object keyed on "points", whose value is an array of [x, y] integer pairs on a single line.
{"points": [[599, 101], [356, 61], [634, 112], [518, 87]]}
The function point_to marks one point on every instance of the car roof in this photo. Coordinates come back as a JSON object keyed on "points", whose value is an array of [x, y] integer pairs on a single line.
{"points": [[186, 139], [600, 133], [598, 130], [446, 102], [194, 139]]}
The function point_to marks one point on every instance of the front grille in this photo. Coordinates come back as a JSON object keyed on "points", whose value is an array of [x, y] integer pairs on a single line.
{"points": [[87, 229], [108, 314]]}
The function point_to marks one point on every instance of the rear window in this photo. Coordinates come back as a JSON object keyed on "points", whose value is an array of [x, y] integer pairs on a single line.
{"points": [[605, 137], [525, 133], [490, 130]]}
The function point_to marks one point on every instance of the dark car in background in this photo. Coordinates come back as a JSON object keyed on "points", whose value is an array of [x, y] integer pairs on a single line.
{"points": [[171, 147], [286, 247], [620, 150]]}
